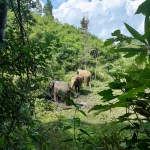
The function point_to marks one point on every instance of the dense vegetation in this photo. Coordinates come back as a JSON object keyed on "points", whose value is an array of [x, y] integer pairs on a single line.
{"points": [[39, 48]]}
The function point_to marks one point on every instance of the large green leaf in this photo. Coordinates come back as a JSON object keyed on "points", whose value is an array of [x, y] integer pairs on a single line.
{"points": [[107, 95], [127, 128], [144, 8], [109, 41], [131, 50], [128, 55], [100, 108], [116, 85], [83, 131], [124, 117], [142, 112], [116, 33], [135, 33], [2, 139], [31, 146], [146, 34], [82, 112], [141, 58], [145, 74], [67, 140], [131, 93], [121, 104], [67, 128], [146, 125]]}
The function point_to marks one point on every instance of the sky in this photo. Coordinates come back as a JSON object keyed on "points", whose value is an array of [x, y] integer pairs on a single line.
{"points": [[105, 16]]}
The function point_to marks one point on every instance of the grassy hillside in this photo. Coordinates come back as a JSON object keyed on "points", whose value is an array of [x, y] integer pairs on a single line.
{"points": [[67, 46]]}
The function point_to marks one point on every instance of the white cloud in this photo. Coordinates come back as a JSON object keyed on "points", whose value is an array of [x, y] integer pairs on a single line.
{"points": [[105, 16], [42, 3]]}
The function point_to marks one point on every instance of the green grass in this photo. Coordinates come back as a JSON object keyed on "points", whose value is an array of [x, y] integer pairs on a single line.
{"points": [[56, 117]]}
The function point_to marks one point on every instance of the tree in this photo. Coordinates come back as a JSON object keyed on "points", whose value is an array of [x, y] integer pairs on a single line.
{"points": [[94, 53], [48, 8], [3, 16], [17, 109], [37, 8], [84, 26]]}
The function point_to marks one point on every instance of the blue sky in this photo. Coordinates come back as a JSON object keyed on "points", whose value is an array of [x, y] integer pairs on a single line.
{"points": [[55, 3], [105, 16]]}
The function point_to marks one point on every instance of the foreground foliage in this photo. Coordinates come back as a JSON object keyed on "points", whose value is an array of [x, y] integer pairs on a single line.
{"points": [[133, 84]]}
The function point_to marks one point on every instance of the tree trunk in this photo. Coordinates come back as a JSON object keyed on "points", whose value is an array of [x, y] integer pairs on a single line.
{"points": [[3, 17]]}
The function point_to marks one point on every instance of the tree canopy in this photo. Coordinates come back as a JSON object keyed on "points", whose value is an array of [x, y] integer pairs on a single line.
{"points": [[48, 8]]}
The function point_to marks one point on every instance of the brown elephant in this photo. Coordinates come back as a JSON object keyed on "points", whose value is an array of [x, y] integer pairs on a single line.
{"points": [[60, 89], [86, 76], [76, 81]]}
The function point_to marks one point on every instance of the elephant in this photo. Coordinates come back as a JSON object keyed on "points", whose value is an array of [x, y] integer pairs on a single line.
{"points": [[76, 81], [60, 89], [86, 76]]}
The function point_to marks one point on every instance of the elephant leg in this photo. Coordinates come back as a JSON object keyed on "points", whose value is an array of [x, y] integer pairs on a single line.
{"points": [[90, 84], [87, 83], [55, 97], [76, 89]]}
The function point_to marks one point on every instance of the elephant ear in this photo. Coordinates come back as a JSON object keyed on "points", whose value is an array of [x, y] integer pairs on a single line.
{"points": [[52, 84], [78, 71]]}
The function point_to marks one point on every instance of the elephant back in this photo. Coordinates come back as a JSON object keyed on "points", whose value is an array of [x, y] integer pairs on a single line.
{"points": [[61, 85], [85, 74]]}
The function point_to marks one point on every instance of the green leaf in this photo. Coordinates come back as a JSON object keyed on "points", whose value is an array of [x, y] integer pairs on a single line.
{"points": [[122, 144], [83, 112], [146, 125], [116, 85], [128, 128], [141, 103], [66, 128], [131, 50], [109, 41], [128, 55], [145, 74], [78, 106], [116, 33], [124, 117], [147, 34], [96, 107], [2, 139], [144, 8], [100, 107], [105, 92], [107, 95], [83, 131], [67, 140], [135, 33], [120, 104], [131, 93], [141, 58], [142, 112], [31, 146], [77, 120]]}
